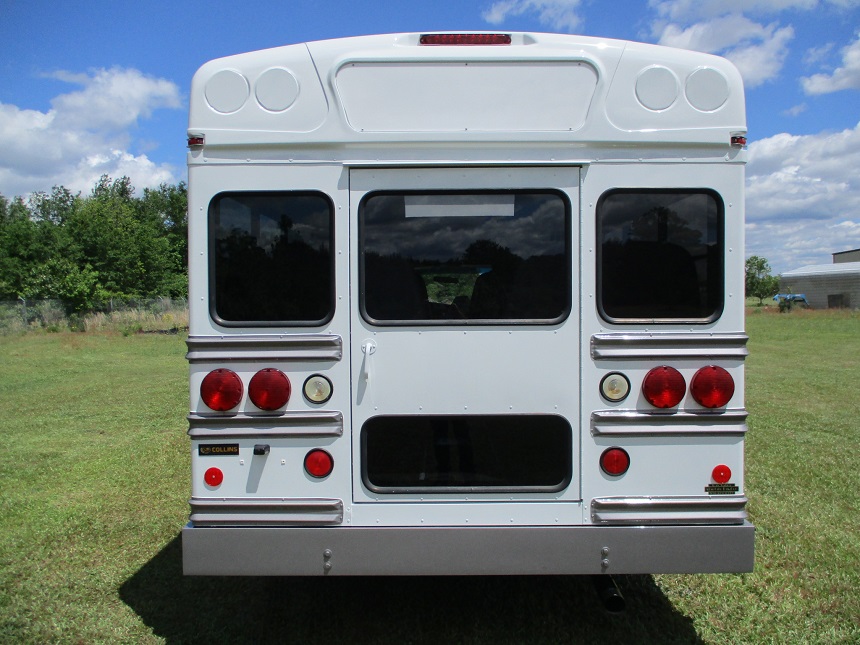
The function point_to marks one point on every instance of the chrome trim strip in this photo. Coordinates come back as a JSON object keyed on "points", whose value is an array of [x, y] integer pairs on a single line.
{"points": [[629, 423], [265, 511], [728, 509], [292, 347], [668, 345], [288, 424]]}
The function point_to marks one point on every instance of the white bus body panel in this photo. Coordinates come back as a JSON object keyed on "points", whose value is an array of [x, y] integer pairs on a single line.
{"points": [[577, 116]]}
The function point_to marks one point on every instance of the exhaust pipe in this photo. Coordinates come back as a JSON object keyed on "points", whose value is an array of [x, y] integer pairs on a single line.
{"points": [[608, 593]]}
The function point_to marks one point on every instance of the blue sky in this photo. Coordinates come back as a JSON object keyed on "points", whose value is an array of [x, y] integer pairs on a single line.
{"points": [[95, 87]]}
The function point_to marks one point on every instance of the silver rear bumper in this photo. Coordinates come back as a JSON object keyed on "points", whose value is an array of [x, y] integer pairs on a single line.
{"points": [[302, 551]]}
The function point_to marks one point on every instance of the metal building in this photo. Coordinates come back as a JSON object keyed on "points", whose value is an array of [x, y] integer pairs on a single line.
{"points": [[826, 286]]}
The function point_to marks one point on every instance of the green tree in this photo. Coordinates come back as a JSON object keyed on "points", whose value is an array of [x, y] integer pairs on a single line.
{"points": [[759, 281]]}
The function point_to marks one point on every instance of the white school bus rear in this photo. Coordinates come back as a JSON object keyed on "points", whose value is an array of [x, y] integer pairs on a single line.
{"points": [[467, 304]]}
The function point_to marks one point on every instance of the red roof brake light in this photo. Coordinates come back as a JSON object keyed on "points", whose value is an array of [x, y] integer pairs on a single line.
{"points": [[465, 39]]}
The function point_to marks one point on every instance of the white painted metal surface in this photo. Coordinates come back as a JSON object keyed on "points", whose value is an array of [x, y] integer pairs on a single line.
{"points": [[352, 117]]}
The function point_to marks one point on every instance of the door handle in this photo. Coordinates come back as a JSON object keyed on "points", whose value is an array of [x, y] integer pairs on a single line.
{"points": [[368, 348]]}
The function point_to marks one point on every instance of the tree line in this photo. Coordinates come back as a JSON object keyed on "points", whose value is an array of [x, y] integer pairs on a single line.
{"points": [[85, 250]]}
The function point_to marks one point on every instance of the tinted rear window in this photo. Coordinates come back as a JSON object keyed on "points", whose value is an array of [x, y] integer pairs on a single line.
{"points": [[454, 257], [270, 258], [450, 454], [660, 255]]}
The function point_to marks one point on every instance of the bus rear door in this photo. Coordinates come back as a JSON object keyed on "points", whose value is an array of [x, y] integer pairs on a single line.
{"points": [[465, 345]]}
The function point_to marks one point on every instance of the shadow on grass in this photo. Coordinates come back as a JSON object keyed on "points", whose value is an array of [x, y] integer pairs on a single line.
{"points": [[518, 609]]}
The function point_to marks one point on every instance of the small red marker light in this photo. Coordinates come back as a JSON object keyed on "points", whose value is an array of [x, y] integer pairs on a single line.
{"points": [[739, 141], [195, 142], [614, 461], [213, 477], [664, 387], [722, 474], [318, 463]]}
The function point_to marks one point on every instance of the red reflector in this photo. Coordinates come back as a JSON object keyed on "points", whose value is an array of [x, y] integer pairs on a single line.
{"points": [[722, 474], [664, 387], [712, 386], [614, 461], [269, 389], [465, 39], [318, 463], [213, 477], [221, 389]]}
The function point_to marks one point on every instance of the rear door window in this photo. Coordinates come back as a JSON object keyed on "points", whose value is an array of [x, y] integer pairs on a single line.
{"points": [[485, 257]]}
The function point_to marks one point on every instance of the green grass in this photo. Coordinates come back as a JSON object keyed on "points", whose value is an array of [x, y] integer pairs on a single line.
{"points": [[94, 486]]}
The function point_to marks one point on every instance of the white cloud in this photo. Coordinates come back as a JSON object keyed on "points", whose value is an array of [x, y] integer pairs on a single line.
{"points": [[803, 197], [688, 10], [846, 77], [762, 61], [757, 50], [560, 15], [85, 134]]}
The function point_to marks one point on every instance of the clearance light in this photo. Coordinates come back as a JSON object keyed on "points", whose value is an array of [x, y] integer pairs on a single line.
{"points": [[213, 477], [614, 461], [195, 141], [722, 474], [465, 39], [317, 389], [269, 389], [221, 389], [615, 387], [664, 387], [318, 463], [739, 141], [712, 387]]}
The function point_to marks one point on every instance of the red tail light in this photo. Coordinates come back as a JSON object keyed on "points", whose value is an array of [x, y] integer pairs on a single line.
{"points": [[712, 386], [318, 463], [221, 389], [269, 389], [664, 387], [614, 461], [465, 39]]}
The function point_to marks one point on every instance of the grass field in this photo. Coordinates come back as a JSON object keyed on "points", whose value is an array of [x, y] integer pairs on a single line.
{"points": [[93, 493]]}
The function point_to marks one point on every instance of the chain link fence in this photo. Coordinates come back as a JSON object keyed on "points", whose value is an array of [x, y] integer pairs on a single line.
{"points": [[127, 316]]}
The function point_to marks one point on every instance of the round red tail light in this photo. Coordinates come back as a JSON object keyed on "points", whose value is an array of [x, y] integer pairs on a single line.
{"points": [[664, 387], [269, 389], [318, 463], [712, 386], [221, 389], [614, 461]]}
